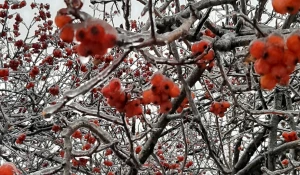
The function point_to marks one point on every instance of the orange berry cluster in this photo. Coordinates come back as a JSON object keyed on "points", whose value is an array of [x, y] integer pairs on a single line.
{"points": [[290, 136], [219, 108], [95, 38], [116, 97], [199, 47], [62, 18], [133, 107], [207, 61], [160, 93], [275, 59], [286, 6], [9, 168], [95, 35]]}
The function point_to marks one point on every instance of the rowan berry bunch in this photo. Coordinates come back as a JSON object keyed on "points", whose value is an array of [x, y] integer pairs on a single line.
{"points": [[160, 93], [55, 128], [95, 36], [286, 6], [275, 58], [80, 162], [9, 169], [199, 47], [34, 72], [290, 136], [108, 163], [116, 97], [14, 64], [219, 108], [4, 73], [54, 90], [30, 85], [207, 62]]}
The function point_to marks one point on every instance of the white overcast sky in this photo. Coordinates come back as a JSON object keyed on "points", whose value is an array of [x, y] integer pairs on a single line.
{"points": [[27, 13]]}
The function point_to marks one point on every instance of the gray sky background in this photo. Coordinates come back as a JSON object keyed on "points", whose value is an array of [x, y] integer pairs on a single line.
{"points": [[27, 13]]}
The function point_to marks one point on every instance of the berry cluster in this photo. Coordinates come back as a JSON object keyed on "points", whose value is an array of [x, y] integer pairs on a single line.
{"points": [[116, 97], [133, 107], [290, 136], [30, 85], [207, 61], [108, 152], [80, 162], [160, 93], [89, 138], [219, 108], [77, 134], [95, 38], [21, 138], [180, 158], [4, 73], [13, 64], [18, 5], [95, 35], [167, 165], [108, 163], [189, 163], [96, 170], [86, 146], [199, 47], [62, 18], [274, 61], [286, 6], [9, 168], [34, 72], [55, 128], [54, 90]]}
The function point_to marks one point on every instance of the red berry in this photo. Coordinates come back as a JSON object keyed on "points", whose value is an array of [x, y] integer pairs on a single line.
{"points": [[108, 163], [138, 149], [285, 162]]}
